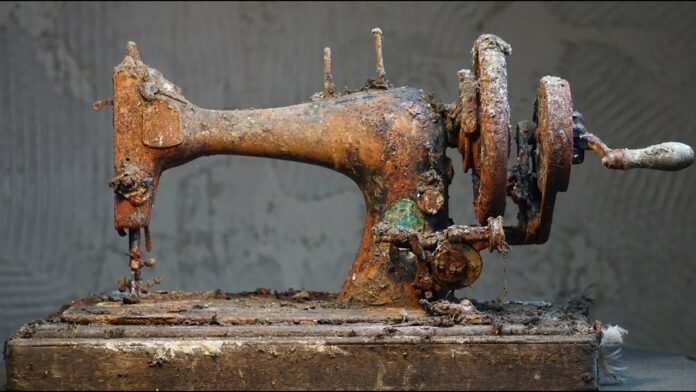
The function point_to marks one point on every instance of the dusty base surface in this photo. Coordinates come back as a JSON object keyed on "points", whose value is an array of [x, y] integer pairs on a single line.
{"points": [[302, 340]]}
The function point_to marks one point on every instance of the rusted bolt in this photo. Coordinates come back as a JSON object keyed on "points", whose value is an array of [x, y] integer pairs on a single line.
{"points": [[430, 199], [455, 265], [431, 192], [133, 187]]}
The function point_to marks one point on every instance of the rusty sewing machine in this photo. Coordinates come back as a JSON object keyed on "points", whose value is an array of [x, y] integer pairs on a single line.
{"points": [[394, 321], [392, 142]]}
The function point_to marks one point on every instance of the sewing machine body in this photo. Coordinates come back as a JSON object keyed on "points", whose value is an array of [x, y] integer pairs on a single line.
{"points": [[392, 143]]}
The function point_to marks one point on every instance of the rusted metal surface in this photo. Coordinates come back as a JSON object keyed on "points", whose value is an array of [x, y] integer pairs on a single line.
{"points": [[328, 79], [445, 260], [268, 340], [388, 142], [554, 138], [467, 113], [379, 59], [161, 126], [391, 142], [551, 158], [492, 142]]}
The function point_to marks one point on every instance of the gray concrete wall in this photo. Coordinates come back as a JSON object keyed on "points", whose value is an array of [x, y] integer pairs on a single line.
{"points": [[238, 223]]}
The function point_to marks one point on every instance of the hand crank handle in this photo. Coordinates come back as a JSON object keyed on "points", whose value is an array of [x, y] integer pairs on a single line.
{"points": [[669, 156]]}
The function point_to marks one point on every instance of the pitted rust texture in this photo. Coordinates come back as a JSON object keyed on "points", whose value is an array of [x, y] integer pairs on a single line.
{"points": [[391, 142], [448, 259], [550, 156], [387, 141], [161, 126], [491, 144]]}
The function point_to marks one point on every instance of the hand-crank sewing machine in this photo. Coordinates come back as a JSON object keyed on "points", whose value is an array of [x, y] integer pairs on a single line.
{"points": [[391, 142]]}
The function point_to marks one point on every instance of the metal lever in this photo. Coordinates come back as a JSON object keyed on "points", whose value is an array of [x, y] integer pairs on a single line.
{"points": [[668, 156]]}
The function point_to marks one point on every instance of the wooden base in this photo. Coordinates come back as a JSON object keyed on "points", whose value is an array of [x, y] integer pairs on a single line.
{"points": [[299, 340]]}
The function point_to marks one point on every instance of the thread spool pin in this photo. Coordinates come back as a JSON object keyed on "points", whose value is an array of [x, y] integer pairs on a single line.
{"points": [[379, 59], [328, 79]]}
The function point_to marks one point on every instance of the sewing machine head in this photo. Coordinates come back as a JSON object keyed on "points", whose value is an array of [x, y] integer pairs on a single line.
{"points": [[392, 143]]}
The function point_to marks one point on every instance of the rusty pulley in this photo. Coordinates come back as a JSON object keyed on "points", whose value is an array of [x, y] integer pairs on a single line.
{"points": [[485, 137], [547, 146], [545, 153]]}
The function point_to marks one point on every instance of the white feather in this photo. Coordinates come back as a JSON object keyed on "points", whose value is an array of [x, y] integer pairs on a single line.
{"points": [[612, 336]]}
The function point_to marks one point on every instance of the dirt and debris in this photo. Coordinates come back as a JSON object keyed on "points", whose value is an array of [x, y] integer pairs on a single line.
{"points": [[579, 305], [262, 291], [302, 295], [300, 307], [116, 333], [27, 331], [462, 312], [296, 326], [153, 282]]}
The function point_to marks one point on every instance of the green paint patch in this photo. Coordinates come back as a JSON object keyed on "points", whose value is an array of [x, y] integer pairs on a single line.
{"points": [[405, 213]]}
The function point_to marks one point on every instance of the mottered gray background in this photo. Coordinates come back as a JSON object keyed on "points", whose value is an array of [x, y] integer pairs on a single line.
{"points": [[237, 223]]}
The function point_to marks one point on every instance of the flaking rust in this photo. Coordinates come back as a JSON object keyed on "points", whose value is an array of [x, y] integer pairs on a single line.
{"points": [[392, 143]]}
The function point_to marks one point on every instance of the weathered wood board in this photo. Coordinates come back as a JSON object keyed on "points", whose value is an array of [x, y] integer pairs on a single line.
{"points": [[299, 340]]}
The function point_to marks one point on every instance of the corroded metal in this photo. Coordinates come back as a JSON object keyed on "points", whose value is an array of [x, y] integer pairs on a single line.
{"points": [[492, 143], [391, 142], [669, 156], [552, 159], [379, 59], [328, 79]]}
